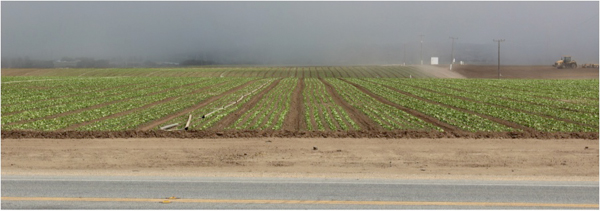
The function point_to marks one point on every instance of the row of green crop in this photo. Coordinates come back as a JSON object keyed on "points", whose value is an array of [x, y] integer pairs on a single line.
{"points": [[271, 109], [584, 90], [462, 120], [520, 102], [320, 108], [524, 96], [143, 116], [385, 115], [132, 100], [36, 90], [274, 72], [76, 96], [96, 98], [536, 122]]}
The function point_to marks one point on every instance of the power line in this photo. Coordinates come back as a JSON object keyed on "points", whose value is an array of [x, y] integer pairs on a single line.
{"points": [[421, 48]]}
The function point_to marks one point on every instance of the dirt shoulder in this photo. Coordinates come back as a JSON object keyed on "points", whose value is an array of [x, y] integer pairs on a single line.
{"points": [[506, 159]]}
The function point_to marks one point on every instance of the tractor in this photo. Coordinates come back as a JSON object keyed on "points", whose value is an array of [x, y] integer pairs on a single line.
{"points": [[589, 66], [565, 62]]}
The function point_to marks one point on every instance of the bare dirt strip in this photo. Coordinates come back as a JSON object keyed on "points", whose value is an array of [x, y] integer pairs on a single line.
{"points": [[362, 120], [426, 118], [232, 117], [493, 159], [295, 118], [210, 134], [209, 100]]}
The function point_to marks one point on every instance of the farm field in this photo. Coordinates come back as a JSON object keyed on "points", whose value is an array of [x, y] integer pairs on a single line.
{"points": [[234, 71], [320, 101]]}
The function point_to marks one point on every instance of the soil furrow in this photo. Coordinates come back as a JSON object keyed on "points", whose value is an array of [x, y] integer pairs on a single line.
{"points": [[209, 100], [372, 71], [295, 118], [362, 120], [384, 71], [232, 117], [424, 117]]}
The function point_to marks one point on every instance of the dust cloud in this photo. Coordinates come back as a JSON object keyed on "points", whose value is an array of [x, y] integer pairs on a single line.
{"points": [[302, 33]]}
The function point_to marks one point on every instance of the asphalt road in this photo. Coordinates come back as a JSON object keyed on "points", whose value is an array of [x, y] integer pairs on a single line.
{"points": [[85, 192]]}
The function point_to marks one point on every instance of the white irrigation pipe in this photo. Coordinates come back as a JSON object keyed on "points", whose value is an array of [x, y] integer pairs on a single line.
{"points": [[166, 127], [234, 102], [187, 125]]}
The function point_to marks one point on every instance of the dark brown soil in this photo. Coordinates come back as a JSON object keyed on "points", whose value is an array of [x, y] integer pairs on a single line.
{"points": [[293, 134], [294, 119], [531, 72]]}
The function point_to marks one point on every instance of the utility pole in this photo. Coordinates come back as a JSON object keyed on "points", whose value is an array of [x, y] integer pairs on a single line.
{"points": [[452, 54], [499, 41], [421, 48], [404, 64]]}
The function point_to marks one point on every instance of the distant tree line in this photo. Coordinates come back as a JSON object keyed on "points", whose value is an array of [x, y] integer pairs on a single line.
{"points": [[25, 62], [86, 62]]}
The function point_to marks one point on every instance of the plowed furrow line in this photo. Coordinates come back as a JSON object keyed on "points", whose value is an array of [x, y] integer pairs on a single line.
{"points": [[424, 117], [232, 117], [372, 71], [395, 72], [491, 118], [385, 71], [505, 107], [295, 117], [363, 121], [165, 119], [72, 127]]}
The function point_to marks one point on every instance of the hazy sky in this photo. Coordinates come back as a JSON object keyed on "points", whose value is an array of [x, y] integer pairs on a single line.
{"points": [[303, 32]]}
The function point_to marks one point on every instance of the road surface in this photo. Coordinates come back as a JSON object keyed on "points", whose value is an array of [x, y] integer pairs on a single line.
{"points": [[135, 192]]}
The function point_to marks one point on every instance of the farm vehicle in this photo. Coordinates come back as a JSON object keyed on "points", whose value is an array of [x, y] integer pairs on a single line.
{"points": [[589, 66], [565, 62]]}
